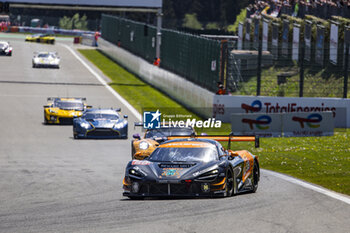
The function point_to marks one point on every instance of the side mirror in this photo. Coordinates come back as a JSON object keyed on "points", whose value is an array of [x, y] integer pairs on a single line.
{"points": [[47, 106], [126, 116], [136, 136], [232, 154]]}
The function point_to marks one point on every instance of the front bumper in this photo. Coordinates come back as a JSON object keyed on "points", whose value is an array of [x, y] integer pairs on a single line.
{"points": [[193, 189], [102, 133], [42, 65], [50, 119]]}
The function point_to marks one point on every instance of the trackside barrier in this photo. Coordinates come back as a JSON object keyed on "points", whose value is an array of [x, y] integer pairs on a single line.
{"points": [[224, 106], [196, 98], [283, 124]]}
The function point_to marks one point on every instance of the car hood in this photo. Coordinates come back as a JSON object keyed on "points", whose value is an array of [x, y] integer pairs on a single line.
{"points": [[64, 113], [171, 171], [103, 123]]}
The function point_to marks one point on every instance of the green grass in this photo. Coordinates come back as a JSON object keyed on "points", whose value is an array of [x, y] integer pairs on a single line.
{"points": [[138, 93], [320, 160]]}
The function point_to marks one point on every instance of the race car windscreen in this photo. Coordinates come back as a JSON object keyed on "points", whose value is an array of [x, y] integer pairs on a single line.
{"points": [[166, 132], [45, 55], [104, 116], [69, 105], [2, 45], [176, 154]]}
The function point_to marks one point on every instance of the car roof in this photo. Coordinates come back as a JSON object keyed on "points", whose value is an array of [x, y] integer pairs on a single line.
{"points": [[53, 53], [77, 100], [102, 110]]}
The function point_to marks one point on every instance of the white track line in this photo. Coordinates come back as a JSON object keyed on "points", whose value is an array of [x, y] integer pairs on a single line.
{"points": [[104, 83], [315, 188]]}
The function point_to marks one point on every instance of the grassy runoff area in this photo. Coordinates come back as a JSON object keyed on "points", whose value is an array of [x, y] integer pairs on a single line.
{"points": [[321, 160]]}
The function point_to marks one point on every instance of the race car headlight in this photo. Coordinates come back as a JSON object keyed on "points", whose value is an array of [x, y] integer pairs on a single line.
{"points": [[209, 175], [85, 125], [143, 145], [135, 172], [52, 111], [119, 125]]}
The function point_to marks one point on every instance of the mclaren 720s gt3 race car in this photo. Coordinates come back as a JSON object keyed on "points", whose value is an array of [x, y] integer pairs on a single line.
{"points": [[193, 167]]}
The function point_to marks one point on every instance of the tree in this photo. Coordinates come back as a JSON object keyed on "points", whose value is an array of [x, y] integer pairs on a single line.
{"points": [[74, 23], [191, 21]]}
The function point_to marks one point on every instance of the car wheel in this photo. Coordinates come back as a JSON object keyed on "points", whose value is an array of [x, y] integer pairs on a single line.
{"points": [[75, 136], [256, 174], [230, 183], [45, 120], [38, 40], [34, 66], [10, 54]]}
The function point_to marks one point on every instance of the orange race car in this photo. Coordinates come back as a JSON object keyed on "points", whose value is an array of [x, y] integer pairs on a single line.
{"points": [[193, 167], [142, 148]]}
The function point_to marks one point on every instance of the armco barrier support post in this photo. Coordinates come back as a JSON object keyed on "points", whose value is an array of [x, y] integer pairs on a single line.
{"points": [[301, 71], [346, 67], [159, 32], [258, 81]]}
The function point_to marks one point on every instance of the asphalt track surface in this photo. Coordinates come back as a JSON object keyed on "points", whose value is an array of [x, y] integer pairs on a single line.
{"points": [[50, 182]]}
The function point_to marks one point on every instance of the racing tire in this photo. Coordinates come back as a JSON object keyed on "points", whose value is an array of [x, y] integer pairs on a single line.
{"points": [[34, 66], [38, 40], [230, 183], [255, 175], [132, 149], [75, 136], [10, 54], [45, 120], [135, 198], [52, 42]]}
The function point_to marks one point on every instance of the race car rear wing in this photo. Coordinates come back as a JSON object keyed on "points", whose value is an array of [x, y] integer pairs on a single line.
{"points": [[224, 138]]}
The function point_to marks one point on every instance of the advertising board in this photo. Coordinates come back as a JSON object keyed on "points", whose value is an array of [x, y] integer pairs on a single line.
{"points": [[292, 124], [225, 105]]}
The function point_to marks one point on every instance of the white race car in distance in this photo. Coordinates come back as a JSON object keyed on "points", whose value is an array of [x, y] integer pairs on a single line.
{"points": [[46, 59], [5, 48]]}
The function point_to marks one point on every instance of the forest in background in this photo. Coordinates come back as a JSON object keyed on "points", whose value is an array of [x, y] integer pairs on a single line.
{"points": [[199, 14], [177, 14]]}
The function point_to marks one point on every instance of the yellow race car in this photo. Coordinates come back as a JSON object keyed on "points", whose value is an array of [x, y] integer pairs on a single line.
{"points": [[63, 110], [41, 38], [142, 148]]}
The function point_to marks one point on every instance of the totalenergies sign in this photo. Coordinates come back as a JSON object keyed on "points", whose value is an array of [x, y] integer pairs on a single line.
{"points": [[311, 120], [261, 122], [283, 124], [224, 106], [257, 124]]}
